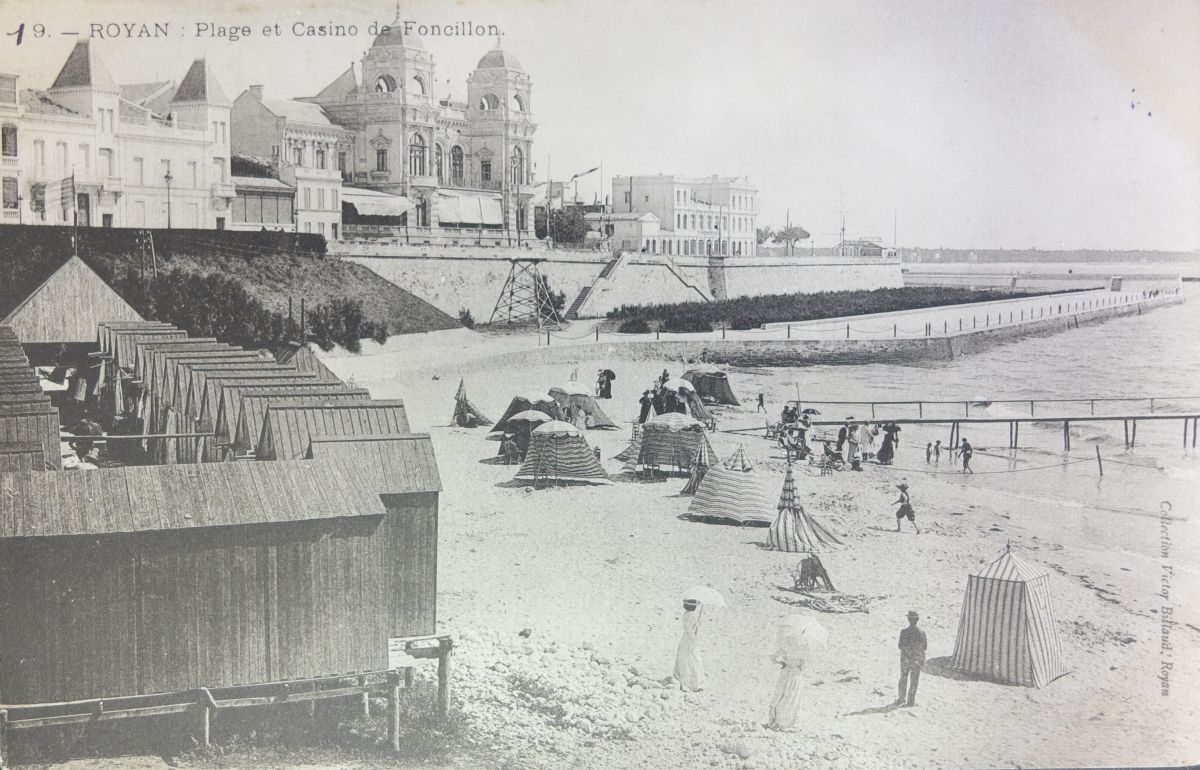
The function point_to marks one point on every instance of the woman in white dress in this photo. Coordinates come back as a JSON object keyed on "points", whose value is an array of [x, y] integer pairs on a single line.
{"points": [[785, 703], [689, 666]]}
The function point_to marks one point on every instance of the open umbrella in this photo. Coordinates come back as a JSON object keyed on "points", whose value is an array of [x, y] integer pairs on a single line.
{"points": [[531, 415], [678, 384], [573, 388], [810, 410], [557, 428], [610, 374], [705, 595], [803, 635]]}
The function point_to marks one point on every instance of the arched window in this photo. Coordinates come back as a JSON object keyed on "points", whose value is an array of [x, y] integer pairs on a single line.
{"points": [[517, 167], [489, 102], [385, 84], [416, 156], [418, 85], [518, 103], [456, 165], [439, 163]]}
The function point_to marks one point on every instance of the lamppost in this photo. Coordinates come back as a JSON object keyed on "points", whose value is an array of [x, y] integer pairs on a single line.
{"points": [[168, 178]]}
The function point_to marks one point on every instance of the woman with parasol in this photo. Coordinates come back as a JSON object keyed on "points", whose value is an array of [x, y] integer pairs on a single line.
{"points": [[689, 665], [799, 638]]}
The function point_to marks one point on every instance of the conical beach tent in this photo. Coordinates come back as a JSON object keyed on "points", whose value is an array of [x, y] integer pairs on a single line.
{"points": [[699, 469], [1007, 631], [711, 384], [558, 454], [733, 491], [794, 530], [579, 401], [464, 411], [672, 439], [542, 402]]}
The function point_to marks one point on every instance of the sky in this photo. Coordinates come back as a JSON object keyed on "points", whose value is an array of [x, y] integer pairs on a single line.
{"points": [[1055, 124]]}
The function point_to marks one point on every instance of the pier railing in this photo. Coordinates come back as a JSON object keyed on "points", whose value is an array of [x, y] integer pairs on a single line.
{"points": [[876, 407]]}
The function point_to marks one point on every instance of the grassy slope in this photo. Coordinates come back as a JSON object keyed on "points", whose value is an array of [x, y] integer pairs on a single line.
{"points": [[273, 279]]}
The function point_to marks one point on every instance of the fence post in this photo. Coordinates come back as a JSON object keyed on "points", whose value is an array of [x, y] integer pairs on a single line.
{"points": [[597, 334], [1099, 462], [789, 333], [895, 330], [945, 326], [847, 331], [547, 336], [974, 322], [394, 710], [722, 331]]}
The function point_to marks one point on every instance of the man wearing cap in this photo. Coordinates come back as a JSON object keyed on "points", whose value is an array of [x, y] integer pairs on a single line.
{"points": [[912, 658]]}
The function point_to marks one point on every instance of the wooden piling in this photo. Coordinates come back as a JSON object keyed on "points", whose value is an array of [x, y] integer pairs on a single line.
{"points": [[1066, 436], [1133, 435], [394, 710], [1125, 425], [443, 698]]}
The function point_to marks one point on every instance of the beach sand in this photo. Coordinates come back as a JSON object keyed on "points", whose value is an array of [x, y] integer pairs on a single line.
{"points": [[595, 575]]}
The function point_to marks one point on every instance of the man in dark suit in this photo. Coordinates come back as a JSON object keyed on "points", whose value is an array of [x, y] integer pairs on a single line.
{"points": [[912, 659]]}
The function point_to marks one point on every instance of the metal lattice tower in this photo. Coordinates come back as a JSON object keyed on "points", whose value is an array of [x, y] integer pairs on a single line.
{"points": [[525, 297]]}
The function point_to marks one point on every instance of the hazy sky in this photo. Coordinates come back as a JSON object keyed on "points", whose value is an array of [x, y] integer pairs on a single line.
{"points": [[975, 124]]}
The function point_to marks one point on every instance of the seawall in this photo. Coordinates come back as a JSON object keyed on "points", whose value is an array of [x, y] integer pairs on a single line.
{"points": [[453, 278], [784, 352]]}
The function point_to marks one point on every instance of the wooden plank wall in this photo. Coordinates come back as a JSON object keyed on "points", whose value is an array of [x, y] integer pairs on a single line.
{"points": [[67, 306], [84, 617]]}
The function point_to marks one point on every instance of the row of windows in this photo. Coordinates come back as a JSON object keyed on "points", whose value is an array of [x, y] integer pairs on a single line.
{"points": [[689, 196], [333, 228], [320, 158], [693, 247], [418, 152], [709, 222], [321, 199], [257, 208]]}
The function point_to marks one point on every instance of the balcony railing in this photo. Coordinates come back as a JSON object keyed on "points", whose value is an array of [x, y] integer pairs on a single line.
{"points": [[471, 183]]}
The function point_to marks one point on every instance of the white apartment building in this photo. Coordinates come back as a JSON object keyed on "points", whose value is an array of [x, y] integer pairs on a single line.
{"points": [[92, 152], [303, 149], [699, 216]]}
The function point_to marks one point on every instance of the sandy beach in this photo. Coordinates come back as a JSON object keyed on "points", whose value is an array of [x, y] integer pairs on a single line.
{"points": [[595, 574]]}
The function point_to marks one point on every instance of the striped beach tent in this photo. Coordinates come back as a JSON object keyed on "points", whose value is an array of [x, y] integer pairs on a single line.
{"points": [[699, 468], [671, 440], [1007, 631], [794, 530], [733, 491], [559, 454]]}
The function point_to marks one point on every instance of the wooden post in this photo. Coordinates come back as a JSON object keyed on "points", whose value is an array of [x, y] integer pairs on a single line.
{"points": [[945, 327], [847, 331], [895, 330], [366, 697], [1031, 408], [3, 737], [443, 700], [597, 334], [1151, 406], [789, 333], [872, 410], [1194, 421], [1133, 435], [960, 324], [1125, 424], [394, 710], [1066, 436], [1093, 405], [1016, 434], [920, 409], [966, 408], [1185, 433], [547, 336]]}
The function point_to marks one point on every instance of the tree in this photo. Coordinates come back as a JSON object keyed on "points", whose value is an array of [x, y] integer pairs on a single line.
{"points": [[568, 225], [763, 234], [790, 235]]}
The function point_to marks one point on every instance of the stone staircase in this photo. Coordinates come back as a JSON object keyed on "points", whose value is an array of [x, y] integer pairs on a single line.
{"points": [[573, 310]]}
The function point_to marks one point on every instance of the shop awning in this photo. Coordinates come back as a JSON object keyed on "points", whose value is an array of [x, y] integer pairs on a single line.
{"points": [[372, 203], [473, 209]]}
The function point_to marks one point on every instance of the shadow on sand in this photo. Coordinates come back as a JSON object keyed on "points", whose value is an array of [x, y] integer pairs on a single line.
{"points": [[875, 710]]}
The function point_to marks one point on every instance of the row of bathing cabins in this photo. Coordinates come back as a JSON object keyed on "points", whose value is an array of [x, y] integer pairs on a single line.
{"points": [[263, 534]]}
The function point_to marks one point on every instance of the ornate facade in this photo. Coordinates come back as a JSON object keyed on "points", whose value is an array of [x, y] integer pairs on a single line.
{"points": [[466, 166]]}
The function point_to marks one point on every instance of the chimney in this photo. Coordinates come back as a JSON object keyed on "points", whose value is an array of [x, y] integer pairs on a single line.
{"points": [[256, 91]]}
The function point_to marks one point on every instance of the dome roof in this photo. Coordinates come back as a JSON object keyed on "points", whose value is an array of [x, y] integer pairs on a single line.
{"points": [[498, 58], [393, 34]]}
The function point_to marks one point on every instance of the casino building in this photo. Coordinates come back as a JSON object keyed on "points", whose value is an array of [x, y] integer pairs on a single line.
{"points": [[465, 169]]}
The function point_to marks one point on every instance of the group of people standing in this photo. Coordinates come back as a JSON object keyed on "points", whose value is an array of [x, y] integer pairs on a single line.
{"points": [[659, 399]]}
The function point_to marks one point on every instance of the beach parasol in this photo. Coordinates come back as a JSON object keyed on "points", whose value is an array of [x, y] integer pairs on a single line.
{"points": [[810, 410], [705, 595], [557, 428], [801, 634], [610, 374], [530, 415], [678, 384]]}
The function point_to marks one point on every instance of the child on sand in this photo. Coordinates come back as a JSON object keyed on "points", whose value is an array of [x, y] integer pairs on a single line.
{"points": [[937, 451], [905, 510], [967, 450], [928, 451]]}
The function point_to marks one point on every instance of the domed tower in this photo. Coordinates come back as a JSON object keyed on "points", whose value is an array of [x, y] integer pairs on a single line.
{"points": [[501, 130], [400, 117]]}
